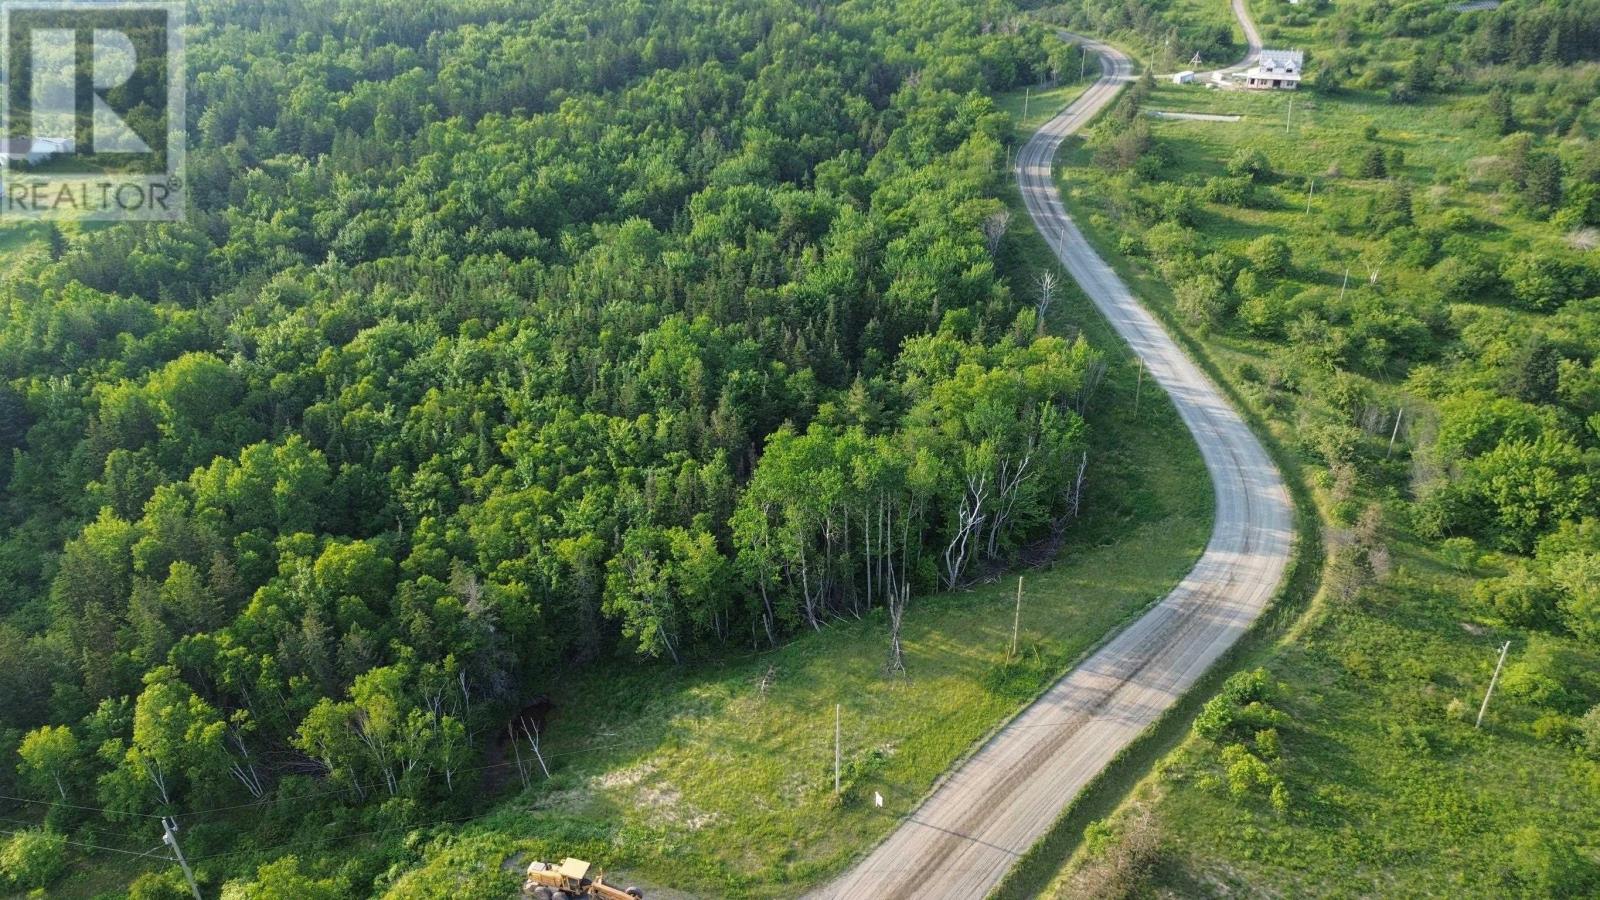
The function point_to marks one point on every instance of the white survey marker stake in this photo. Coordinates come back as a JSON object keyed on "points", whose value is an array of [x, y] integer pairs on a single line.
{"points": [[877, 799]]}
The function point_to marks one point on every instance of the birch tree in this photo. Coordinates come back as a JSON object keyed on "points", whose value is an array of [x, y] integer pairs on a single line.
{"points": [[48, 755]]}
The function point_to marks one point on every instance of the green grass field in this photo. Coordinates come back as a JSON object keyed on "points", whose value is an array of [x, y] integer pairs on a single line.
{"points": [[1314, 143], [1392, 790], [1031, 108]]}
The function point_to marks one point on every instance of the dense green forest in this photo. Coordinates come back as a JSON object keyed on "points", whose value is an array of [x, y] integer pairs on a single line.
{"points": [[590, 348], [1397, 276], [503, 340]]}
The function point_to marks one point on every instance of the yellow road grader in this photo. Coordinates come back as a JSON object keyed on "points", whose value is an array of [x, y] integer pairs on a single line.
{"points": [[570, 881]]}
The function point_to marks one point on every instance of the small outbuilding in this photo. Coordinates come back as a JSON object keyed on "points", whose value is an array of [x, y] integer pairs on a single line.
{"points": [[1184, 77]]}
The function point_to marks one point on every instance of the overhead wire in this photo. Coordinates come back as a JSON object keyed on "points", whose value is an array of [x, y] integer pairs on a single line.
{"points": [[99, 847], [379, 782]]}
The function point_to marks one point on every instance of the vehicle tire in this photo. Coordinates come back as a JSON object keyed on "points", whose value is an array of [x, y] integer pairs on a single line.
{"points": [[635, 893], [542, 893], [561, 895]]}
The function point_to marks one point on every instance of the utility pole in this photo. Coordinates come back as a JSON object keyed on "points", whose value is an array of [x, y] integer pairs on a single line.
{"points": [[1399, 414], [1016, 621], [170, 838], [1138, 386], [1310, 191], [1496, 677], [1026, 93], [1083, 62], [1345, 284], [836, 754], [1288, 117]]}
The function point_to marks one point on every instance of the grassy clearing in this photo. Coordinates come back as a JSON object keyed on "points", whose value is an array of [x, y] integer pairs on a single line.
{"points": [[1391, 791], [702, 780], [1033, 107], [1309, 138]]}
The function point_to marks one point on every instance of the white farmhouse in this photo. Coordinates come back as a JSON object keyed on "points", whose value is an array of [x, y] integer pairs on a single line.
{"points": [[1275, 70]]}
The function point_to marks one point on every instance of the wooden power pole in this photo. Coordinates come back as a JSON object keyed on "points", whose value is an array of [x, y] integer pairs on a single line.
{"points": [[170, 838], [836, 753], [1016, 621], [1492, 679], [1138, 386], [1400, 414]]}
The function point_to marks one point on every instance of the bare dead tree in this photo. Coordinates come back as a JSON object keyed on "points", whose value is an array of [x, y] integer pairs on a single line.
{"points": [[1046, 285], [1013, 472], [969, 520], [241, 765], [533, 741], [522, 772], [1077, 484], [897, 613], [995, 228]]}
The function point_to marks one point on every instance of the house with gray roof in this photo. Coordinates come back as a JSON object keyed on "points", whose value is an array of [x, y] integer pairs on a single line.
{"points": [[1275, 70]]}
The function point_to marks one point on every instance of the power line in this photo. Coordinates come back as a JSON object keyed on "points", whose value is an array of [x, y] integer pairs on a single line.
{"points": [[34, 824], [91, 846], [378, 783], [97, 809], [153, 852], [343, 837]]}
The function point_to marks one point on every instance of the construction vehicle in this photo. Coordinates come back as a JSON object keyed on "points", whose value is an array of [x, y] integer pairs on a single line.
{"points": [[570, 881]]}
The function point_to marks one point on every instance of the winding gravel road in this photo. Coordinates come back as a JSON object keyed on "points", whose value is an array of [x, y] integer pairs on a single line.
{"points": [[992, 808], [1252, 37]]}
